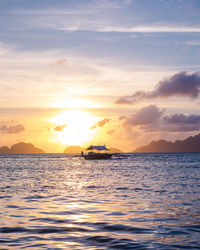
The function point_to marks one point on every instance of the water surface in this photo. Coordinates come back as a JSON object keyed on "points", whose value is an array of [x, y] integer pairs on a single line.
{"points": [[147, 201]]}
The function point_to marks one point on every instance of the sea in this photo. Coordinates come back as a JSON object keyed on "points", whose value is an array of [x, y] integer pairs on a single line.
{"points": [[60, 201]]}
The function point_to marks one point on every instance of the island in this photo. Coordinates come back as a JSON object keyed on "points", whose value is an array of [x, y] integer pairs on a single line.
{"points": [[189, 145], [21, 148]]}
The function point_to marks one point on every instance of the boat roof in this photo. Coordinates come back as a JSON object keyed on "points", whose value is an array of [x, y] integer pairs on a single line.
{"points": [[97, 148]]}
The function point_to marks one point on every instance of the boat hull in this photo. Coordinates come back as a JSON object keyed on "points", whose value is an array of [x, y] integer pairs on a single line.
{"points": [[97, 156]]}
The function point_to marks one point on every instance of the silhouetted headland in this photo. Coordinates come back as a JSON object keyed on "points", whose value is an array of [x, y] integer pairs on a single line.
{"points": [[21, 148], [189, 145]]}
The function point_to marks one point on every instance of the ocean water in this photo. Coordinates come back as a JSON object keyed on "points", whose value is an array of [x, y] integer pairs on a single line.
{"points": [[146, 201]]}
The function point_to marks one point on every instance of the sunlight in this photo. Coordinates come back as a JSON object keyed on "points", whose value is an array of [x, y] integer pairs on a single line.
{"points": [[75, 103], [76, 127]]}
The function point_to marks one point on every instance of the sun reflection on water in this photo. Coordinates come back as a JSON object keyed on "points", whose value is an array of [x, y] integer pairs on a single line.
{"points": [[70, 203]]}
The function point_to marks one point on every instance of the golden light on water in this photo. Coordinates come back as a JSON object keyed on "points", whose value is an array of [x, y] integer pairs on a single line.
{"points": [[76, 127]]}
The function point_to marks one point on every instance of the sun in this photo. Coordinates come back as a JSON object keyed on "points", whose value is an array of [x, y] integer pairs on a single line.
{"points": [[74, 127]]}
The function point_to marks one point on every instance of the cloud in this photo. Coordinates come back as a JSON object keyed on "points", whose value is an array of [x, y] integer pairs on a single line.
{"points": [[195, 43], [181, 122], [92, 17], [145, 116], [181, 118], [111, 4], [137, 96], [60, 127], [181, 84], [154, 28], [101, 123], [111, 132], [151, 119], [58, 63], [12, 129]]}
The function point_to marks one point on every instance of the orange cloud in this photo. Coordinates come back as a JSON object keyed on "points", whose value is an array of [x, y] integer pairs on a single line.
{"points": [[110, 132], [12, 129], [60, 127], [101, 123]]}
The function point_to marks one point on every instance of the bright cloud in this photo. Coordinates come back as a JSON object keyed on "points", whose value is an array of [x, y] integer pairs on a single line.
{"points": [[101, 123], [60, 127]]}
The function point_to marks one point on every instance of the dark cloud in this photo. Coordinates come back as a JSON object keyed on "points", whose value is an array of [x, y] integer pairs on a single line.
{"points": [[11, 129], [138, 95], [180, 84], [151, 119], [145, 116], [181, 122], [60, 127], [101, 123], [181, 118]]}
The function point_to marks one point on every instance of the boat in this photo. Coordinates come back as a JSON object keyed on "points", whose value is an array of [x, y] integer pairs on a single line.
{"points": [[96, 153]]}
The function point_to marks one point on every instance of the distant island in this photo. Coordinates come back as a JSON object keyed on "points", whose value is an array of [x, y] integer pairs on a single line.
{"points": [[21, 148], [189, 145], [28, 148], [78, 149]]}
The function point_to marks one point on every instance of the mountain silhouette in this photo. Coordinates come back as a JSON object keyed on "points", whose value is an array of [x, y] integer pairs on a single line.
{"points": [[73, 150], [21, 148], [114, 150], [4, 150], [189, 145]]}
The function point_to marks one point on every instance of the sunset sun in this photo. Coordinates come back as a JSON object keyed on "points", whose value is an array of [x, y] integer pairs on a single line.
{"points": [[73, 127]]}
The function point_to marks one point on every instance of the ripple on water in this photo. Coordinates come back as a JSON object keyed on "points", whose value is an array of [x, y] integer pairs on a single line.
{"points": [[111, 242], [147, 201]]}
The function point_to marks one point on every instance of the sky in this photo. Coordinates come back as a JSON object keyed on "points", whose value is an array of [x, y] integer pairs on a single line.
{"points": [[114, 72]]}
